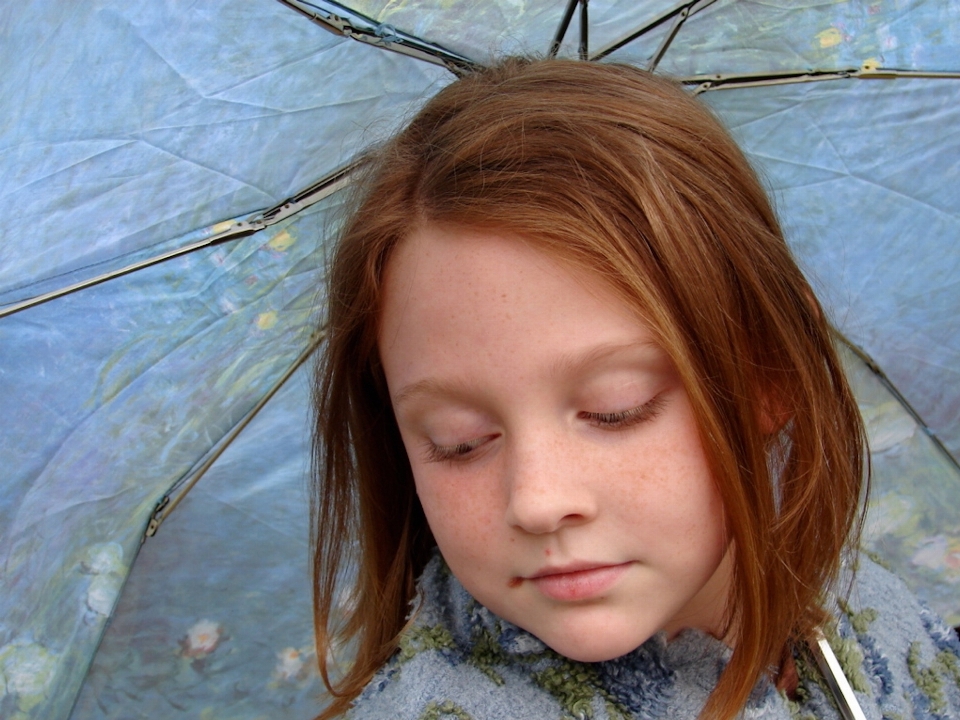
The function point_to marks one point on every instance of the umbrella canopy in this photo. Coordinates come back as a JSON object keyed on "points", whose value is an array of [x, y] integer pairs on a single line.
{"points": [[171, 175]]}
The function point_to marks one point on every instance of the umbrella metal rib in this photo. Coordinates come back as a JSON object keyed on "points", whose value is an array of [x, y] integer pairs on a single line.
{"points": [[703, 83], [358, 27], [584, 50], [562, 28], [240, 229], [677, 24], [341, 20], [169, 502], [892, 389], [686, 10]]}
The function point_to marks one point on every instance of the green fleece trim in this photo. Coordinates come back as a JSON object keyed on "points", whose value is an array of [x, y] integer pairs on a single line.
{"points": [[446, 709], [575, 686], [850, 658], [486, 653], [928, 679], [948, 664], [420, 639], [861, 621]]}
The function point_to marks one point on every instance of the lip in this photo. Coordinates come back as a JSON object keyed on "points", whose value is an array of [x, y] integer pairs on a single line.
{"points": [[577, 581]]}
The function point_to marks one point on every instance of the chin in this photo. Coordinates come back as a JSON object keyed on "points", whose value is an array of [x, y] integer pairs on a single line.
{"points": [[593, 646]]}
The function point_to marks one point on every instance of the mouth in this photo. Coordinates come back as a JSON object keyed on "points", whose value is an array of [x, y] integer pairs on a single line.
{"points": [[578, 581]]}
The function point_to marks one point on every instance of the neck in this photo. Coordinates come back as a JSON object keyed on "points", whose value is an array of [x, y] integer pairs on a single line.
{"points": [[707, 611]]}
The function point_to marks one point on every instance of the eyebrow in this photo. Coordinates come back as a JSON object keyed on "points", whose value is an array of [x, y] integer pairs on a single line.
{"points": [[647, 351], [430, 386], [567, 363]]}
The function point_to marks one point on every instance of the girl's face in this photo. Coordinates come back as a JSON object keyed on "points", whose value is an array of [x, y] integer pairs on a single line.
{"points": [[552, 443]]}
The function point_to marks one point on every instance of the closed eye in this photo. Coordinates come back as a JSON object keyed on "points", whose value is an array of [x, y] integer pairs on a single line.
{"points": [[454, 453], [626, 418]]}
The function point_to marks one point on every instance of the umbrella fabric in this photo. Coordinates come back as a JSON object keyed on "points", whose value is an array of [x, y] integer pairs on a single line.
{"points": [[486, 30], [135, 128], [872, 218], [215, 620], [755, 36], [842, 153], [129, 130], [129, 127]]}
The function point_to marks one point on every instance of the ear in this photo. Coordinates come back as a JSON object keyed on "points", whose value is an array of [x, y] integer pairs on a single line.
{"points": [[774, 413]]}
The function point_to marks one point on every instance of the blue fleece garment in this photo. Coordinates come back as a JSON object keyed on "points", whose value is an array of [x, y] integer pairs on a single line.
{"points": [[457, 660]]}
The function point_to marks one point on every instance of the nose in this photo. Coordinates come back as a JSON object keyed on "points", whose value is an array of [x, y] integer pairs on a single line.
{"points": [[548, 489]]}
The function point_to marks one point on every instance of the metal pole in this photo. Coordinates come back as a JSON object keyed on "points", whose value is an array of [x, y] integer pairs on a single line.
{"points": [[562, 30], [584, 26], [168, 503]]}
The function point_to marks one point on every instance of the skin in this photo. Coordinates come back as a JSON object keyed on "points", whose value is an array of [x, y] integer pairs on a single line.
{"points": [[552, 444]]}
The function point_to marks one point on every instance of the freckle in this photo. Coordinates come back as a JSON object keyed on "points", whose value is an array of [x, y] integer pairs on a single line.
{"points": [[514, 582]]}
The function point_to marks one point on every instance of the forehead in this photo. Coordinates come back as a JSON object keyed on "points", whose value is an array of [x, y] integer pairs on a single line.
{"points": [[473, 260], [451, 270], [460, 302]]}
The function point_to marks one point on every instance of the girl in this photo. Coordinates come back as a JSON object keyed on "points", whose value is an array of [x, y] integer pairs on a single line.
{"points": [[584, 446]]}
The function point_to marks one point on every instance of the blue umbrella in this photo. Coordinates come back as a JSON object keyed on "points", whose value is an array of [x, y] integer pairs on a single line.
{"points": [[170, 175]]}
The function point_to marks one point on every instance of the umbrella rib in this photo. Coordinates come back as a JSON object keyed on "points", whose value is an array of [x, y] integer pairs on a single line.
{"points": [[904, 403], [169, 502], [343, 21], [672, 33], [686, 9], [704, 83], [562, 28], [584, 49], [240, 229]]}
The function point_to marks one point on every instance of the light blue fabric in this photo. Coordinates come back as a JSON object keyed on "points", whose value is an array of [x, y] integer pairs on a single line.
{"points": [[458, 660], [215, 620], [869, 220], [756, 36], [128, 125], [129, 128]]}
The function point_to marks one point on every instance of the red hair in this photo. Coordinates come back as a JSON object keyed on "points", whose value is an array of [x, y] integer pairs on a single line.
{"points": [[624, 174]]}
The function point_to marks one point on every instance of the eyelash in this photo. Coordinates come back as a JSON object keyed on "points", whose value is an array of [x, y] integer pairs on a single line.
{"points": [[609, 421], [626, 418], [452, 453]]}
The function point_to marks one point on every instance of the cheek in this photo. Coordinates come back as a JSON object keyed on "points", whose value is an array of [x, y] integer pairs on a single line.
{"points": [[462, 512], [664, 481]]}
